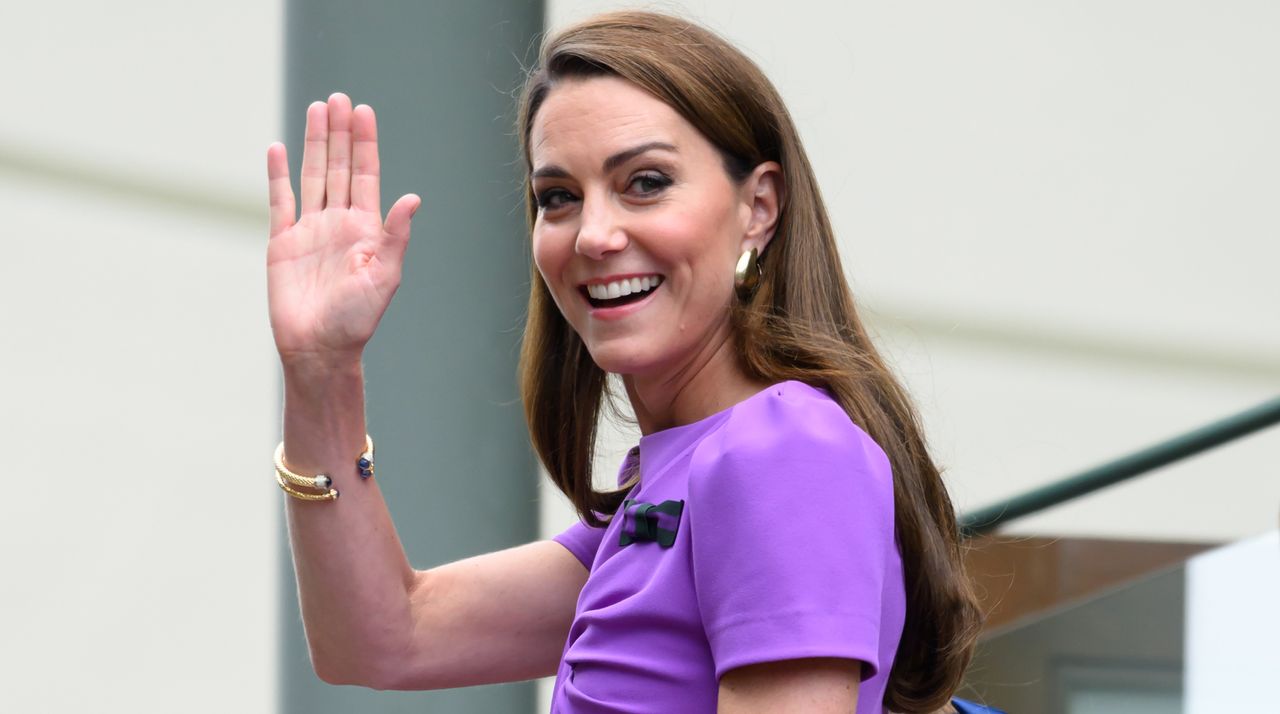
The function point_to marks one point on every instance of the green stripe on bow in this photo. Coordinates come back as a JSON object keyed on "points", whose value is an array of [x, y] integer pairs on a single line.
{"points": [[644, 516]]}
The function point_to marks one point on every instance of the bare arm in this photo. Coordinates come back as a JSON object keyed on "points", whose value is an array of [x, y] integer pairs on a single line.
{"points": [[370, 618], [503, 617], [815, 685]]}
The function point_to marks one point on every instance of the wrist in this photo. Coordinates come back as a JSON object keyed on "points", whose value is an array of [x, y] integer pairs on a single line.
{"points": [[324, 418], [334, 389], [313, 367]]}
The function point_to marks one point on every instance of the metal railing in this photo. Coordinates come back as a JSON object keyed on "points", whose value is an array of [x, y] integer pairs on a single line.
{"points": [[988, 519]]}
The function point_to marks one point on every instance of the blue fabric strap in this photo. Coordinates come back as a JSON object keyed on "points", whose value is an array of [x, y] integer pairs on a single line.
{"points": [[964, 706]]}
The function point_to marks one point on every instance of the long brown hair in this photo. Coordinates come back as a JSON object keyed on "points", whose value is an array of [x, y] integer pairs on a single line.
{"points": [[800, 324]]}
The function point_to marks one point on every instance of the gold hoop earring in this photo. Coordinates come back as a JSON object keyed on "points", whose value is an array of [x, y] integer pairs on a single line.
{"points": [[746, 277]]}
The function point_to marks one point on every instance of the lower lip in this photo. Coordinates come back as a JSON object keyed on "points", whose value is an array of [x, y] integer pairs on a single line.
{"points": [[621, 311]]}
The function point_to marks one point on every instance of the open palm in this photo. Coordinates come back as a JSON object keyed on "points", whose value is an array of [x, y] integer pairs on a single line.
{"points": [[331, 272]]}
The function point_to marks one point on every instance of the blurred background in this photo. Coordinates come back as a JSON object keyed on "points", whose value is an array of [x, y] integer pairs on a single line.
{"points": [[1059, 220]]}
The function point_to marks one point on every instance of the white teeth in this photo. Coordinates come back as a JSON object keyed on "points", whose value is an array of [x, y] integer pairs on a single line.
{"points": [[619, 288]]}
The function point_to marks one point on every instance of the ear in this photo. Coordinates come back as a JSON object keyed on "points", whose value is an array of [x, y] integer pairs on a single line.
{"points": [[762, 194]]}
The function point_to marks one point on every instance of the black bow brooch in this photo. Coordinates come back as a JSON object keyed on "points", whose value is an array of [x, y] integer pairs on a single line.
{"points": [[650, 522]]}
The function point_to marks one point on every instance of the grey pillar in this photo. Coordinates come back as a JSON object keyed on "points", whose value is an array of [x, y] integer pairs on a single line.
{"points": [[453, 454]]}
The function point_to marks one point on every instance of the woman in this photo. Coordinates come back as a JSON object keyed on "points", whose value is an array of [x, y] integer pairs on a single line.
{"points": [[779, 541]]}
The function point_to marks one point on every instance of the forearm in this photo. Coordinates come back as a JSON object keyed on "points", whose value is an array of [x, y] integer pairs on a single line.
{"points": [[353, 577]]}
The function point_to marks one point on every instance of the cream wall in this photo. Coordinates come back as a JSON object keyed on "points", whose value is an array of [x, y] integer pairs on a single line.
{"points": [[139, 528]]}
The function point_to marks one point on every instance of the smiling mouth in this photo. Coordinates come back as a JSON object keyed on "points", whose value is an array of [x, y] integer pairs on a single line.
{"points": [[620, 292]]}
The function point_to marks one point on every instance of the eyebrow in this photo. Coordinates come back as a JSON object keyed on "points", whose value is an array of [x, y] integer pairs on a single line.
{"points": [[610, 163]]}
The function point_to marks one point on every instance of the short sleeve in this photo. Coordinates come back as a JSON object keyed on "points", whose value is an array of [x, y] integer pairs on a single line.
{"points": [[582, 540], [791, 514]]}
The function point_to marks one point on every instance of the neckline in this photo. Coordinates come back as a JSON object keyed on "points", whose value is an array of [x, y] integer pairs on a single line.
{"points": [[659, 447]]}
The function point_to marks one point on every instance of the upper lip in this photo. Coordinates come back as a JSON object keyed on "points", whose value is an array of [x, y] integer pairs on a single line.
{"points": [[617, 278]]}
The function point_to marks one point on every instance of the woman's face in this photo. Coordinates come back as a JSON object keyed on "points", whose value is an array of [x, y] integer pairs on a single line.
{"points": [[639, 226]]}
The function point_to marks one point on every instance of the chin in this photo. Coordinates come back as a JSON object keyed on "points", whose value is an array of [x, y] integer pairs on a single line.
{"points": [[617, 358], [619, 365]]}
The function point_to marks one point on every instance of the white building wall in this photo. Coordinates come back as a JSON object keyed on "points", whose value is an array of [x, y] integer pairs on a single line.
{"points": [[139, 529], [1231, 630]]}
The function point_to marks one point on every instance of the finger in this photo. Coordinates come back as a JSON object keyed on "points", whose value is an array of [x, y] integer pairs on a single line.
{"points": [[398, 223], [315, 157], [337, 187], [364, 159], [279, 191]]}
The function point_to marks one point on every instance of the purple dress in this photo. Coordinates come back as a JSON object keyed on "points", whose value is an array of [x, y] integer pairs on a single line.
{"points": [[761, 533]]}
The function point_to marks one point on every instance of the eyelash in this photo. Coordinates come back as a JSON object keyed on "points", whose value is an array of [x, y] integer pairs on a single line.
{"points": [[657, 180], [545, 198], [661, 180]]}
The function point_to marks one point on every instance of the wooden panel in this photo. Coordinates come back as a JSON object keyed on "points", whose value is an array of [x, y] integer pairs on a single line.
{"points": [[1019, 576]]}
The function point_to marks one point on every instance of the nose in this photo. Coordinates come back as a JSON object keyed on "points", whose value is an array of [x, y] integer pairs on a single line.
{"points": [[600, 231]]}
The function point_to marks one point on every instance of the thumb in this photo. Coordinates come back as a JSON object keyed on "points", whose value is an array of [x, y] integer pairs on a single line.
{"points": [[399, 217]]}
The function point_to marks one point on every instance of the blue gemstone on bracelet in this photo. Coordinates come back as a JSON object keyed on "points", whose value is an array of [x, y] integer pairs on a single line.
{"points": [[366, 473], [364, 463]]}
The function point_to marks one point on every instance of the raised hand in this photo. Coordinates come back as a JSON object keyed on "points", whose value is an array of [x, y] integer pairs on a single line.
{"points": [[332, 271]]}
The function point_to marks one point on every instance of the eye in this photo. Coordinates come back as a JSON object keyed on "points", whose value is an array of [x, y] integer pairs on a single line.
{"points": [[648, 183], [553, 199]]}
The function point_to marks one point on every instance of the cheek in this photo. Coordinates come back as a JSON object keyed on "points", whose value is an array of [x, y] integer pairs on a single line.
{"points": [[705, 243], [551, 255], [694, 237], [546, 255], [712, 218]]}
